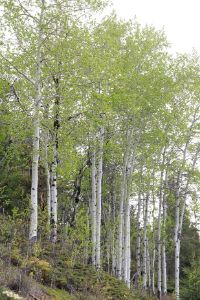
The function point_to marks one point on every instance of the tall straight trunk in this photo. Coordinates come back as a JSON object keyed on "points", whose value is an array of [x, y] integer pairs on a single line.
{"points": [[138, 243], [34, 187], [99, 183], [149, 268], [129, 252], [54, 196], [164, 286], [93, 207], [144, 283], [48, 186], [159, 238], [120, 232], [120, 265], [113, 237], [176, 229], [87, 238], [127, 258], [109, 238], [53, 220], [125, 236], [176, 236], [154, 248], [130, 162]]}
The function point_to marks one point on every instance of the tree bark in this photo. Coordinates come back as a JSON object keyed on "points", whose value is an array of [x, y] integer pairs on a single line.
{"points": [[138, 243], [99, 183], [144, 283], [93, 207], [164, 286]]}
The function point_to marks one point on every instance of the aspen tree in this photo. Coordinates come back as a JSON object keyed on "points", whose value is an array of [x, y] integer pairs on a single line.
{"points": [[159, 226], [164, 286], [138, 242], [93, 207], [144, 282], [15, 63], [48, 186], [34, 187], [98, 211], [154, 248], [148, 268]]}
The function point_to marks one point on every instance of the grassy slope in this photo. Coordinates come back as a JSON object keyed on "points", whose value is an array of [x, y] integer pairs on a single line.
{"points": [[57, 277]]}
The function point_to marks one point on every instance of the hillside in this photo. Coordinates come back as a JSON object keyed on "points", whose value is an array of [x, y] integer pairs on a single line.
{"points": [[50, 273]]}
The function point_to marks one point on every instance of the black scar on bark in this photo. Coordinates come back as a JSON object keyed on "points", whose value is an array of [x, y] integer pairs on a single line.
{"points": [[158, 295], [78, 188]]}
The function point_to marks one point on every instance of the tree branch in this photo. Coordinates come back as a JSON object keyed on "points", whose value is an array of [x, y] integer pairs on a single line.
{"points": [[20, 72]]}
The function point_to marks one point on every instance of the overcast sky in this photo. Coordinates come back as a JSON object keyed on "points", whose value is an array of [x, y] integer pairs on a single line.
{"points": [[180, 19]]}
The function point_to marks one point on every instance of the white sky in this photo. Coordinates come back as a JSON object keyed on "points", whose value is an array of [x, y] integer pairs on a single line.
{"points": [[180, 19]]}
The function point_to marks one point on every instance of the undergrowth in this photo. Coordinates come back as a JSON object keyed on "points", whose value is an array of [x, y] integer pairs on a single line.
{"points": [[48, 271]]}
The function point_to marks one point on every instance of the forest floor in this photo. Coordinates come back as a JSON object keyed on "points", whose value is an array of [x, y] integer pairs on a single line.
{"points": [[54, 275], [54, 272]]}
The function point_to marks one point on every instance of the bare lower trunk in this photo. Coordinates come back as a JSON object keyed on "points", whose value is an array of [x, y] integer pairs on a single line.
{"points": [[144, 283], [153, 254], [113, 238], [93, 209], [53, 220], [149, 268], [48, 186], [127, 256], [176, 237], [120, 232], [98, 233], [164, 286], [138, 244], [87, 238], [129, 252], [159, 241]]}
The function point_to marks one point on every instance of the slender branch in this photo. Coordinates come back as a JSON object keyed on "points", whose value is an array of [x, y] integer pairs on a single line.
{"points": [[20, 72]]}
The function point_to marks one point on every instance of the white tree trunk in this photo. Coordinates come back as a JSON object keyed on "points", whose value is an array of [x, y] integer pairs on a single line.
{"points": [[99, 182], [87, 238], [120, 261], [176, 238], [123, 262], [159, 238], [149, 268], [93, 208], [113, 237], [144, 283], [164, 286], [154, 248], [125, 237], [138, 243], [129, 251], [109, 238], [121, 219], [127, 258], [48, 186], [54, 202], [34, 187]]}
